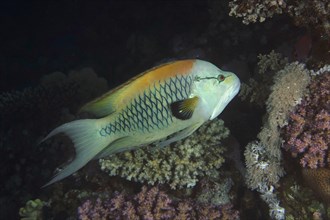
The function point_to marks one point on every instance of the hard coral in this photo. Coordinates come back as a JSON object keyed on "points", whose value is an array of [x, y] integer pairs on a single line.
{"points": [[179, 165], [308, 133], [263, 157], [151, 203], [256, 10], [318, 180], [290, 86], [313, 14], [257, 89]]}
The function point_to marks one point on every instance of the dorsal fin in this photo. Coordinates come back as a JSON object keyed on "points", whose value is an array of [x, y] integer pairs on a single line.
{"points": [[184, 109], [118, 98], [103, 105]]}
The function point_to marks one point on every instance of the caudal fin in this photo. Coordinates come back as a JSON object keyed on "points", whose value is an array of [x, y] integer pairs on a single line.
{"points": [[87, 142]]}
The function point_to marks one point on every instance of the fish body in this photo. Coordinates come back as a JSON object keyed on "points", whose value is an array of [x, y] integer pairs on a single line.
{"points": [[161, 106]]}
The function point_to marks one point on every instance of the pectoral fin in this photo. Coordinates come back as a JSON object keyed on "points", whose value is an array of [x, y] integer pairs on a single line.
{"points": [[184, 109]]}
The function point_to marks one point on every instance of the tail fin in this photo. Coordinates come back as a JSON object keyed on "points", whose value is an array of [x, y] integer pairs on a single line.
{"points": [[87, 141]]}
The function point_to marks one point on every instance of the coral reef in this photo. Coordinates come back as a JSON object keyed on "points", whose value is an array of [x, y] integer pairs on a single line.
{"points": [[25, 118], [151, 203], [31, 101], [97, 198], [301, 12], [324, 69], [287, 92], [215, 193], [257, 11], [55, 91], [270, 197], [264, 171], [318, 181], [32, 210], [263, 157], [132, 44], [299, 201], [90, 85], [178, 165], [307, 136], [257, 89]]}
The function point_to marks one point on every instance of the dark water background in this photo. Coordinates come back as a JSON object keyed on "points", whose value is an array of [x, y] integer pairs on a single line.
{"points": [[44, 36]]}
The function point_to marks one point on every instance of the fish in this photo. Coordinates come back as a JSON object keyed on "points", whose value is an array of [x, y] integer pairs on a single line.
{"points": [[159, 106]]}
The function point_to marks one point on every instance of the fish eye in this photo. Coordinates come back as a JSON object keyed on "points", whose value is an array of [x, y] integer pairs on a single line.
{"points": [[221, 78]]}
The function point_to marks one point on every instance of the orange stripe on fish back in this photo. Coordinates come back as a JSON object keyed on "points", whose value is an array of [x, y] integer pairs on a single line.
{"points": [[159, 73], [118, 97]]}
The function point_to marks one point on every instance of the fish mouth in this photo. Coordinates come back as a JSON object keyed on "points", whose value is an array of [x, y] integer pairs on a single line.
{"points": [[234, 83]]}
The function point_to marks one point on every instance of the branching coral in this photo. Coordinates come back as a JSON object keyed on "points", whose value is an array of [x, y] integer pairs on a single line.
{"points": [[313, 14], [256, 10], [287, 92], [308, 132], [257, 89], [151, 203], [179, 165], [263, 157]]}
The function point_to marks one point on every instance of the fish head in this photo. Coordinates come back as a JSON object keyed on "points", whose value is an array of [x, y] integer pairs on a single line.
{"points": [[215, 87]]}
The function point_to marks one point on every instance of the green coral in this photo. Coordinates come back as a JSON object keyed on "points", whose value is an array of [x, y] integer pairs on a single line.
{"points": [[32, 210], [178, 165]]}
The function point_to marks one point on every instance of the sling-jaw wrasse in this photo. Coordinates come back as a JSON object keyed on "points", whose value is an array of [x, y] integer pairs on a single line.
{"points": [[162, 105]]}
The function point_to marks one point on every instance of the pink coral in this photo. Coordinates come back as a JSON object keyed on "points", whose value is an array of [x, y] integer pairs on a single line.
{"points": [[307, 135], [98, 210], [151, 203]]}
